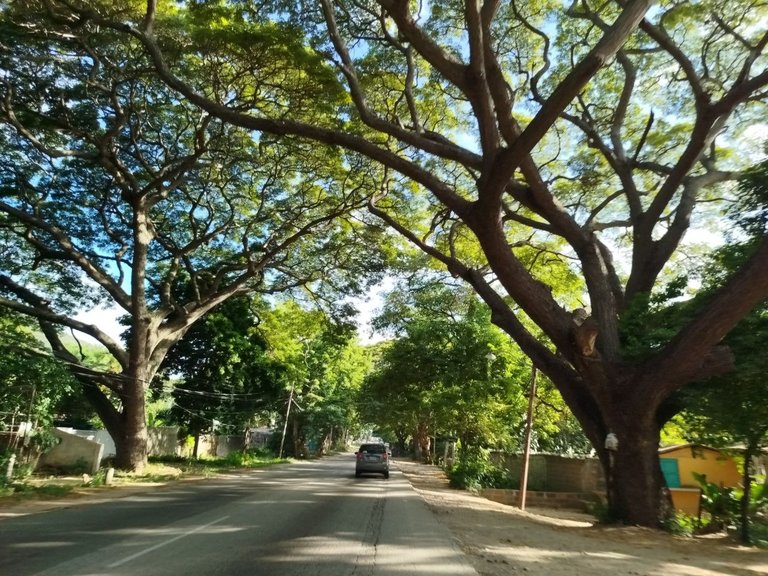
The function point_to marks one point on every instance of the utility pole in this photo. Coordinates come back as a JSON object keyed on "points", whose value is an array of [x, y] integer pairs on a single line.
{"points": [[527, 441], [285, 426]]}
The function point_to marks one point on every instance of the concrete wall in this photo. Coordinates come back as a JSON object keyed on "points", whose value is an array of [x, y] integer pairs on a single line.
{"points": [[164, 441], [219, 446], [100, 436], [72, 451], [553, 473]]}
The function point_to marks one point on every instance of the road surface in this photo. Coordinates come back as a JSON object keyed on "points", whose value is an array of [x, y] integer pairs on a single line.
{"points": [[311, 518]]}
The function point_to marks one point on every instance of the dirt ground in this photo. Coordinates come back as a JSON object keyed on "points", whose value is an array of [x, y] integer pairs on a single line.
{"points": [[503, 540]]}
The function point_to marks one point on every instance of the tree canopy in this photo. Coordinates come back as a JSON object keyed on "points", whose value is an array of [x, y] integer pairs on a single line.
{"points": [[324, 367], [114, 190], [448, 372], [220, 376]]}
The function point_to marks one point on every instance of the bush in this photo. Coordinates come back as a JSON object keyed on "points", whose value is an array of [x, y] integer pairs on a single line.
{"points": [[474, 470], [720, 503], [680, 524]]}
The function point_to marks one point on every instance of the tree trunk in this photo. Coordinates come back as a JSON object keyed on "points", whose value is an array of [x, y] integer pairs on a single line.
{"points": [[196, 447], [131, 447], [745, 535], [421, 444], [323, 443], [634, 482], [298, 438]]}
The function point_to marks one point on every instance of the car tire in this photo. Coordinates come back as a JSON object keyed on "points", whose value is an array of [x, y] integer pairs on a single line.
{"points": [[357, 474]]}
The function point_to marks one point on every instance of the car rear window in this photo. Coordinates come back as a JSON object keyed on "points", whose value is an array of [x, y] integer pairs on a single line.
{"points": [[373, 448]]}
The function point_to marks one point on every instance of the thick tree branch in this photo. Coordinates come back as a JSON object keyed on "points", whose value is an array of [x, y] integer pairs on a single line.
{"points": [[38, 308], [687, 355]]}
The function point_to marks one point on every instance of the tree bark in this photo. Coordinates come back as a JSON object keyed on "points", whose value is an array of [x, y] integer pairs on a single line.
{"points": [[634, 482], [421, 444], [744, 532], [131, 435]]}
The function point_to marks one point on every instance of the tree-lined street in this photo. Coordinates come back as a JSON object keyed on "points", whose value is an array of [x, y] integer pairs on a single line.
{"points": [[312, 518]]}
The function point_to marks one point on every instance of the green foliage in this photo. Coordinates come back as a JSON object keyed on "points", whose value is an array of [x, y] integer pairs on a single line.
{"points": [[221, 371], [323, 368], [650, 321], [720, 503], [46, 491], [266, 64], [760, 532], [751, 211], [33, 383], [603, 513], [449, 370], [680, 524], [251, 459], [474, 470], [238, 459]]}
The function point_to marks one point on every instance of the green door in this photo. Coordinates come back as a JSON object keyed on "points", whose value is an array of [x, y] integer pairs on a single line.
{"points": [[671, 472]]}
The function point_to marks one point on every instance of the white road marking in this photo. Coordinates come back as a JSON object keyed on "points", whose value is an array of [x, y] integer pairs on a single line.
{"points": [[161, 544]]}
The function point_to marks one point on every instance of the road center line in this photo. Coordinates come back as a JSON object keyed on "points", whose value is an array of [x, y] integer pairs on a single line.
{"points": [[161, 544]]}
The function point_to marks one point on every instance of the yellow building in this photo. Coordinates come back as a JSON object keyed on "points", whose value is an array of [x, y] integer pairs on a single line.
{"points": [[678, 463]]}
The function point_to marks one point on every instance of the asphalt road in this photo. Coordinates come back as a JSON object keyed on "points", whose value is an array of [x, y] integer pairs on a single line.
{"points": [[312, 518]]}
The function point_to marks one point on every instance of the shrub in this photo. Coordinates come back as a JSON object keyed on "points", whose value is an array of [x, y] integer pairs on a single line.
{"points": [[720, 503], [474, 470], [680, 524]]}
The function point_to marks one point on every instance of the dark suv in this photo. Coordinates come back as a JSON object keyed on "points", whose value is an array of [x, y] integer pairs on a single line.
{"points": [[372, 458]]}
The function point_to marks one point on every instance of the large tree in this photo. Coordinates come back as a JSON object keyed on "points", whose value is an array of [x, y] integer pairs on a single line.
{"points": [[114, 190], [598, 129]]}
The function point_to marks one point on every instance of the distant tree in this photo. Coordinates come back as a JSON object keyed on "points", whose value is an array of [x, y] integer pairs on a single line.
{"points": [[447, 371], [324, 366], [220, 373]]}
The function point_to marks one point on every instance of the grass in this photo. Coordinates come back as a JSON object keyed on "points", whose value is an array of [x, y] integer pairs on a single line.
{"points": [[158, 470], [18, 491]]}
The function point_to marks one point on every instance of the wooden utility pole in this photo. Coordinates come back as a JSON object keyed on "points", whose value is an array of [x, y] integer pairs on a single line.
{"points": [[527, 441], [285, 426]]}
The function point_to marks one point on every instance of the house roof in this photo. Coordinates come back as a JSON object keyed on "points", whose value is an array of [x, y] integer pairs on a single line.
{"points": [[733, 448], [675, 447]]}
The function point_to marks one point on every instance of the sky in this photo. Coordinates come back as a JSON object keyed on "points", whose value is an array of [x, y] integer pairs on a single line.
{"points": [[107, 318]]}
